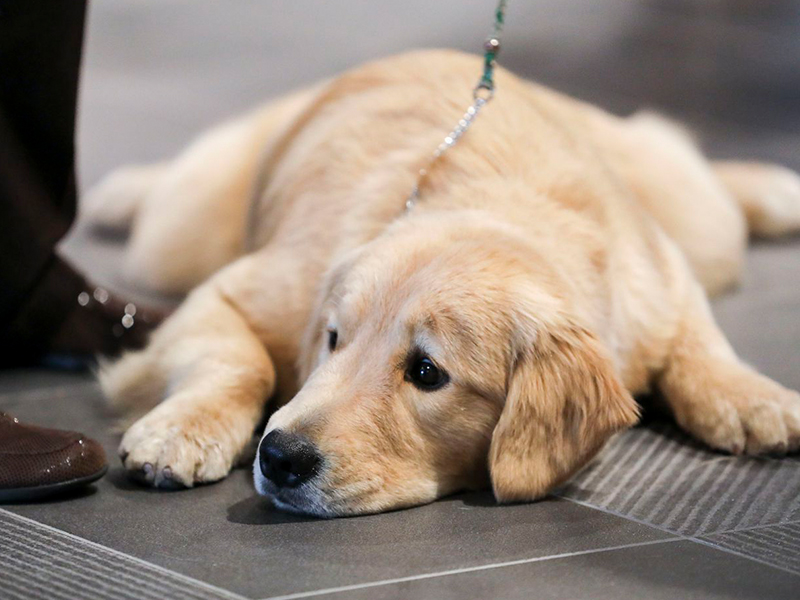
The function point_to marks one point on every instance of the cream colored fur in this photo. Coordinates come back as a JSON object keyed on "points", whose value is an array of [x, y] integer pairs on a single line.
{"points": [[557, 263]]}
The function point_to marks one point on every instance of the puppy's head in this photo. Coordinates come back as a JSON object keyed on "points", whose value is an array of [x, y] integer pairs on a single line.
{"points": [[441, 358]]}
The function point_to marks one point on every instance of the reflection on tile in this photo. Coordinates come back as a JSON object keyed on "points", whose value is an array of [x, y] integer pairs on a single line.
{"points": [[25, 382]]}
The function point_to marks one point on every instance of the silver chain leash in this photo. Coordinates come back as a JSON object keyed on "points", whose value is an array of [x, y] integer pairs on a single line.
{"points": [[481, 96]]}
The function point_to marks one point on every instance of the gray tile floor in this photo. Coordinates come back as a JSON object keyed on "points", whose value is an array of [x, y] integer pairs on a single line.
{"points": [[656, 516]]}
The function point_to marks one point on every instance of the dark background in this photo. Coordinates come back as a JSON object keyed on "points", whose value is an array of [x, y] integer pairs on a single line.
{"points": [[157, 73]]}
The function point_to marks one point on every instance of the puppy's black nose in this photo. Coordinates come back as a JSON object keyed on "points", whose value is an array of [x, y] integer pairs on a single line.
{"points": [[287, 459]]}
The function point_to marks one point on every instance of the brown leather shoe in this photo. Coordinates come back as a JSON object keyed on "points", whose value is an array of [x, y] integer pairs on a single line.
{"points": [[36, 462]]}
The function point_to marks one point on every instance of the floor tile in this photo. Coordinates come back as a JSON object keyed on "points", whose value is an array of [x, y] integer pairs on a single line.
{"points": [[777, 545], [660, 476], [19, 383], [762, 318], [38, 563], [672, 570], [225, 535]]}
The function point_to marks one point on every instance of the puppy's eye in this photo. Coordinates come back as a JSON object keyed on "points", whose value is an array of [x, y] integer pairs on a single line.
{"points": [[425, 375], [333, 337]]}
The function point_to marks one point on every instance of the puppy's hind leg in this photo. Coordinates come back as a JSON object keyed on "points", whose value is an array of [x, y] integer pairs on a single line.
{"points": [[112, 204], [768, 194], [193, 222], [719, 399]]}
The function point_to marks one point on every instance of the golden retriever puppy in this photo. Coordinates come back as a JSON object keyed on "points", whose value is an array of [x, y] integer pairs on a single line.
{"points": [[557, 263]]}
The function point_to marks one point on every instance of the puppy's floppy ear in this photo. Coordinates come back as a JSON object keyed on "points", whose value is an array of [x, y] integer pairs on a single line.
{"points": [[564, 401]]}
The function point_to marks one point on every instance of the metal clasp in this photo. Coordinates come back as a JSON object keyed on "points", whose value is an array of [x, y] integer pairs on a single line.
{"points": [[483, 92]]}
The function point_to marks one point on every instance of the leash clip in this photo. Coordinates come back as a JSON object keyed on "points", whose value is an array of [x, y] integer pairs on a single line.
{"points": [[483, 92]]}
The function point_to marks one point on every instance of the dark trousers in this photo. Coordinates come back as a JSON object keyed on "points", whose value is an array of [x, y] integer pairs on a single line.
{"points": [[40, 55]]}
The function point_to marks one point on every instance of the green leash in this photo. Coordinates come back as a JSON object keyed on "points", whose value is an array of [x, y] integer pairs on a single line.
{"points": [[481, 95], [491, 47]]}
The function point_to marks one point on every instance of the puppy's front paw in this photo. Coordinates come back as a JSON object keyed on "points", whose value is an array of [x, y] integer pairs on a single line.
{"points": [[174, 448], [754, 416]]}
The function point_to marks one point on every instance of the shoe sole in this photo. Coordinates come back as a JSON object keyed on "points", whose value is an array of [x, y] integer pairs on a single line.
{"points": [[45, 491]]}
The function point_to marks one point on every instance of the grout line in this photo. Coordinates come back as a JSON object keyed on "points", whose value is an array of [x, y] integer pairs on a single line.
{"points": [[614, 513], [703, 542], [768, 547], [54, 549], [510, 563], [779, 524], [696, 540], [95, 545]]}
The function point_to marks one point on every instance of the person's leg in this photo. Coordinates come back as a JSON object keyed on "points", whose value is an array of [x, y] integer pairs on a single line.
{"points": [[45, 305], [40, 50]]}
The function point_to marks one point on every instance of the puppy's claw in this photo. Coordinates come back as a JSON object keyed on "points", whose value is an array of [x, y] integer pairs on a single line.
{"points": [[174, 453]]}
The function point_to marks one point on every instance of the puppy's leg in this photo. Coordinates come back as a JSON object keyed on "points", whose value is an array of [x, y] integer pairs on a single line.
{"points": [[218, 377], [193, 222], [719, 399], [112, 204], [210, 362], [768, 194], [672, 181]]}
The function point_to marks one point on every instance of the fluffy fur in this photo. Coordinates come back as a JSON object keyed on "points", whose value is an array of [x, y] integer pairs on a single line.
{"points": [[557, 263]]}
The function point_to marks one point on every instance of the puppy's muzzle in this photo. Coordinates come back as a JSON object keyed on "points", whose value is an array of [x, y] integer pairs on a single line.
{"points": [[287, 460]]}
